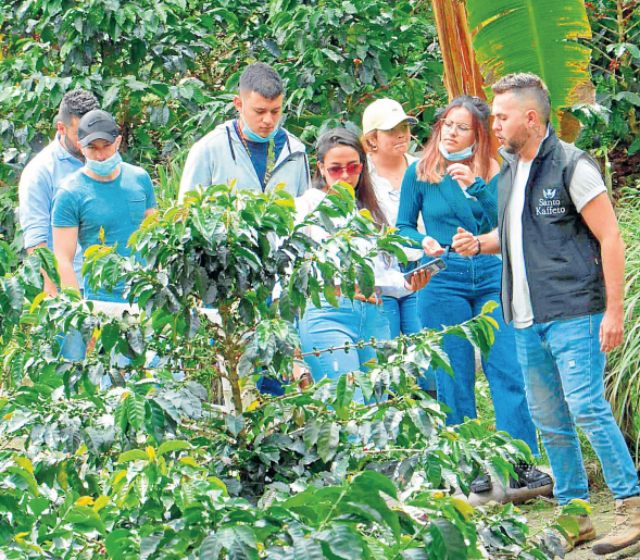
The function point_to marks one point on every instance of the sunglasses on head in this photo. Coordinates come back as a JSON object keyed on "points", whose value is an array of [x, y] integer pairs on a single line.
{"points": [[336, 171]]}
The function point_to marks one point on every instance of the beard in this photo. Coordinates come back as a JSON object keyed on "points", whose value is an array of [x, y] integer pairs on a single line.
{"points": [[514, 144], [73, 150]]}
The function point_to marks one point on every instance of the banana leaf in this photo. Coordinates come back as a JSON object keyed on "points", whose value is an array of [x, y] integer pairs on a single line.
{"points": [[539, 36]]}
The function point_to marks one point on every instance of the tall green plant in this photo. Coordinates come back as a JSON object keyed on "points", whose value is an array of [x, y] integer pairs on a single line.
{"points": [[623, 375], [233, 249], [612, 127], [538, 36]]}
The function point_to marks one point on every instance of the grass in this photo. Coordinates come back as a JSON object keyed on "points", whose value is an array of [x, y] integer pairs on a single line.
{"points": [[623, 375]]}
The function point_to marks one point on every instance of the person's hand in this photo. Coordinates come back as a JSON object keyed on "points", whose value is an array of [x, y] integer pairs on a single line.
{"points": [[465, 243], [431, 247], [418, 280], [461, 173], [300, 371], [611, 329], [49, 287]]}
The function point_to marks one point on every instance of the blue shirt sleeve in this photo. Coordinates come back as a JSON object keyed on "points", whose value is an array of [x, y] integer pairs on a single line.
{"points": [[410, 206], [66, 210], [487, 195], [35, 193]]}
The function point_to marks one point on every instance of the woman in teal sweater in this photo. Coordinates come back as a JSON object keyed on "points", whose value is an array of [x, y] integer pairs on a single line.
{"points": [[454, 185]]}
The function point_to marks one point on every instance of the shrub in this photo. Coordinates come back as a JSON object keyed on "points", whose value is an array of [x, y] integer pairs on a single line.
{"points": [[153, 468], [623, 375]]}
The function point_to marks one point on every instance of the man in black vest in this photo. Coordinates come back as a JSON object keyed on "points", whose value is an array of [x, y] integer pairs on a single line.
{"points": [[562, 286]]}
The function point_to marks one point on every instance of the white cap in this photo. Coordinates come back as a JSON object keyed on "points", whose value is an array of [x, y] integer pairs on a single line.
{"points": [[384, 114]]}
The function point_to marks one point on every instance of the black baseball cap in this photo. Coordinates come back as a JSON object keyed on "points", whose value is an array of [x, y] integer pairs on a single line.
{"points": [[97, 125]]}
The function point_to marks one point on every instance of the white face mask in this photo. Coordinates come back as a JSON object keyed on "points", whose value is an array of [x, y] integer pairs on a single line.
{"points": [[106, 167]]}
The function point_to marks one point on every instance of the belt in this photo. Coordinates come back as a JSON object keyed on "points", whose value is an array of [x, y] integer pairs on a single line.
{"points": [[375, 299]]}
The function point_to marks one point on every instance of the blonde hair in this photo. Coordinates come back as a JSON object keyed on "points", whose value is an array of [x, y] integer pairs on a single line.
{"points": [[367, 138]]}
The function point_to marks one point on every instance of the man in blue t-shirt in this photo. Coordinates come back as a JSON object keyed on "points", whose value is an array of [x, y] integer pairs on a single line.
{"points": [[105, 194], [253, 151]]}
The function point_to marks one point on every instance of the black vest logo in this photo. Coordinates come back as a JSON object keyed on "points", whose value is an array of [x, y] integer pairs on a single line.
{"points": [[550, 204]]}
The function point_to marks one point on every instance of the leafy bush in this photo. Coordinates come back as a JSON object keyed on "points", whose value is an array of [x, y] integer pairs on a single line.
{"points": [[623, 376], [611, 128], [169, 69], [154, 468], [84, 478]]}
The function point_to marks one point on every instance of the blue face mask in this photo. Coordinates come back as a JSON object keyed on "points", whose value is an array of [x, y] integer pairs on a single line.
{"points": [[456, 156], [253, 137], [106, 167]]}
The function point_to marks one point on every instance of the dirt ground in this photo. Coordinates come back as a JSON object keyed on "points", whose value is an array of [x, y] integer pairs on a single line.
{"points": [[541, 512]]}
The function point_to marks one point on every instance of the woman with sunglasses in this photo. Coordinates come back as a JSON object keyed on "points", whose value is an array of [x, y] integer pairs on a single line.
{"points": [[341, 158], [454, 185]]}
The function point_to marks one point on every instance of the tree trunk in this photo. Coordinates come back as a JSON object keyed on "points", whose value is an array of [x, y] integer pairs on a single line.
{"points": [[461, 71]]}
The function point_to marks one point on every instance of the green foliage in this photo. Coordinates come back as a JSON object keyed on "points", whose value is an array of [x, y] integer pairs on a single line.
{"points": [[611, 127], [72, 469], [623, 375], [9, 231], [129, 54], [153, 467], [169, 69], [336, 56], [230, 249], [533, 36]]}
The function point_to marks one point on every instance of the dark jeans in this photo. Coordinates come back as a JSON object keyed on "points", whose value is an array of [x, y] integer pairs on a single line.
{"points": [[453, 296]]}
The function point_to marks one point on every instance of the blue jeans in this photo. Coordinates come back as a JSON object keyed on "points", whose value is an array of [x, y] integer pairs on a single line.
{"points": [[74, 347], [455, 295], [402, 314], [564, 375], [104, 295], [327, 326]]}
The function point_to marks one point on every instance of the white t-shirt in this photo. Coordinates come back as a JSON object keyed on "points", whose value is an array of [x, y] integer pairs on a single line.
{"points": [[387, 196], [388, 277], [585, 185]]}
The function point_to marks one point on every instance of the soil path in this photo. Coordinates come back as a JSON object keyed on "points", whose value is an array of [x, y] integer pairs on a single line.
{"points": [[541, 512]]}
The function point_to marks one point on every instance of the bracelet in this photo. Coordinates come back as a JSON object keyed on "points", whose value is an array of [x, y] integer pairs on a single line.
{"points": [[479, 246]]}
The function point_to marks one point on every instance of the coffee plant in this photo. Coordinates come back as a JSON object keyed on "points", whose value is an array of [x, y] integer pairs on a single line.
{"points": [[141, 457]]}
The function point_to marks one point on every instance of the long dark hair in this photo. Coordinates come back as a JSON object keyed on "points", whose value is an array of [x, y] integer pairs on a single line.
{"points": [[365, 195], [432, 166]]}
